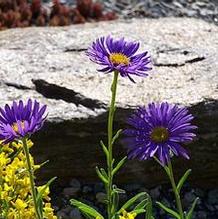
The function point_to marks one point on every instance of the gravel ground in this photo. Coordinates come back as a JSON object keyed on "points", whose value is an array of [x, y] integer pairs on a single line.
{"points": [[93, 194], [204, 9]]}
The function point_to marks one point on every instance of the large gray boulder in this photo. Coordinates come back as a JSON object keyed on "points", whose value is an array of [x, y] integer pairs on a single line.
{"points": [[49, 64]]}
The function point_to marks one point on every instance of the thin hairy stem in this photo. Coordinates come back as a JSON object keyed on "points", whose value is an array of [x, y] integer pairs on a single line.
{"points": [[175, 190], [110, 145]]}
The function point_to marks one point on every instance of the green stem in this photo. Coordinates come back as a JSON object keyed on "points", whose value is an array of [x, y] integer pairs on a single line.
{"points": [[149, 208], [110, 146], [175, 190], [31, 176]]}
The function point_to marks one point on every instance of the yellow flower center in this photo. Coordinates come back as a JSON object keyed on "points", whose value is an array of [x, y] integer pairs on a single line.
{"points": [[15, 126], [159, 134], [119, 58]]}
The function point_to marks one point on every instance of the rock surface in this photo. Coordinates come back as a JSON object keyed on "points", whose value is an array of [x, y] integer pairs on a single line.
{"points": [[49, 64], [204, 9]]}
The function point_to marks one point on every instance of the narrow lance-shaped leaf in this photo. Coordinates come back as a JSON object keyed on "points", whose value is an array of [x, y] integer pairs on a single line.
{"points": [[14, 154], [116, 136], [40, 194], [86, 209], [115, 202], [113, 161], [115, 216], [145, 205], [119, 165], [43, 163], [142, 204], [149, 213], [183, 179], [131, 201], [190, 212], [101, 176], [168, 210], [138, 211], [104, 148], [86, 215], [118, 190], [103, 172]]}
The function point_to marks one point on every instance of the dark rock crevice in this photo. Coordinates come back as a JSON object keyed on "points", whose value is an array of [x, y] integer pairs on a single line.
{"points": [[176, 57], [17, 86], [197, 59], [54, 91], [75, 50]]}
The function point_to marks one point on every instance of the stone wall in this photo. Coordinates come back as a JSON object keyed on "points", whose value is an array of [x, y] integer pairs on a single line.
{"points": [[49, 64]]}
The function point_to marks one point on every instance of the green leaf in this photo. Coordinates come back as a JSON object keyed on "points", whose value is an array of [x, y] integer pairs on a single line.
{"points": [[149, 209], [104, 148], [42, 164], [168, 210], [116, 136], [115, 202], [103, 172], [119, 191], [183, 179], [134, 199], [112, 162], [101, 176], [142, 204], [115, 216], [138, 211], [190, 212], [39, 197], [85, 215], [15, 154], [119, 165], [87, 210], [40, 194]]}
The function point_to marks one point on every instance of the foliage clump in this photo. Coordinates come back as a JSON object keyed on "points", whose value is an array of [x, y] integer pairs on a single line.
{"points": [[15, 191]]}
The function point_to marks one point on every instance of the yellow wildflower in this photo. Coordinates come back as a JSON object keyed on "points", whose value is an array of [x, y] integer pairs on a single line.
{"points": [[3, 160], [12, 214], [15, 189], [20, 204], [48, 211], [127, 215], [45, 192]]}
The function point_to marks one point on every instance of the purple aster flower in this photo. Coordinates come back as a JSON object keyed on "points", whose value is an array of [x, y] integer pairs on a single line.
{"points": [[119, 55], [20, 120], [159, 130]]}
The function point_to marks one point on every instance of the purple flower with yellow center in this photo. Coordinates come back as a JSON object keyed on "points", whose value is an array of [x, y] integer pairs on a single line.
{"points": [[20, 120], [159, 130], [119, 55]]}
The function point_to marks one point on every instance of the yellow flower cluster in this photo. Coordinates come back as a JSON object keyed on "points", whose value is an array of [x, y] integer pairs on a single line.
{"points": [[127, 215], [15, 191]]}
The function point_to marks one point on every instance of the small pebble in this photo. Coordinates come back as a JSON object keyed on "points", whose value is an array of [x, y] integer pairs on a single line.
{"points": [[101, 197], [75, 213], [70, 192]]}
